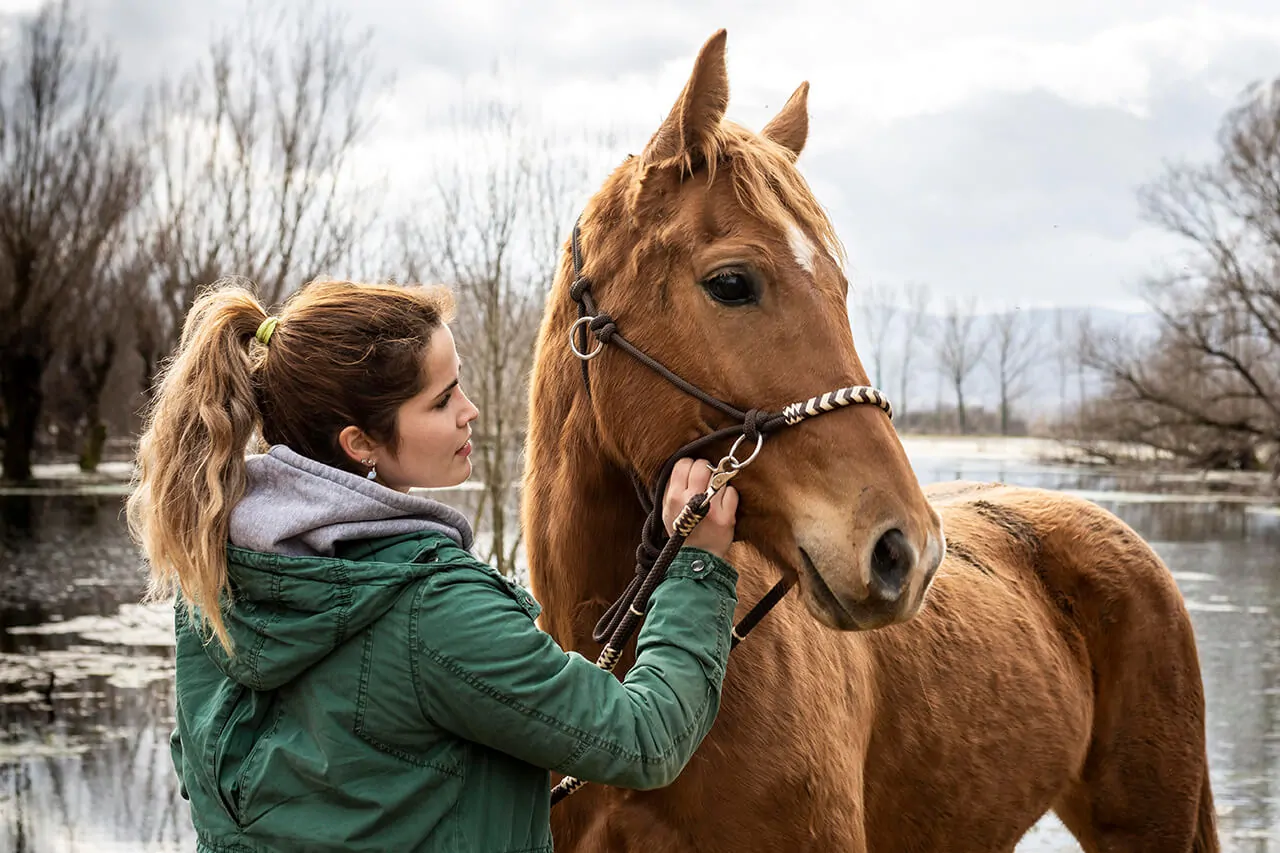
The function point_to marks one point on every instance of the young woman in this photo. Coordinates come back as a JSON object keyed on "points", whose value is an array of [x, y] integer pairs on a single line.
{"points": [[349, 676]]}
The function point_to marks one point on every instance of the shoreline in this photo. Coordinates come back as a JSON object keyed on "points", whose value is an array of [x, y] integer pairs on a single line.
{"points": [[114, 476], [139, 625]]}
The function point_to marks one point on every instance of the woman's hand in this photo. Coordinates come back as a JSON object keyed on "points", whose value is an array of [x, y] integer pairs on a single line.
{"points": [[715, 532]]}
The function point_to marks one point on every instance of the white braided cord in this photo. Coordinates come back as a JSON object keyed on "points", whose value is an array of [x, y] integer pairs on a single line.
{"points": [[838, 399]]}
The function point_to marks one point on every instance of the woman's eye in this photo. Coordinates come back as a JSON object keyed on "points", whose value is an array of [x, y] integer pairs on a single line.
{"points": [[731, 288], [444, 401]]}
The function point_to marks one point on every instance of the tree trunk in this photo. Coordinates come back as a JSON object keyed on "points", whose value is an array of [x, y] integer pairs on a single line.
{"points": [[95, 370], [1062, 393], [23, 401], [497, 477], [150, 364], [1004, 410], [95, 441], [1080, 428], [960, 407]]}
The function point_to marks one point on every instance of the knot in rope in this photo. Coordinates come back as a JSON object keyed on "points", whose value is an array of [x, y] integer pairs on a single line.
{"points": [[751, 424], [603, 327], [579, 287]]}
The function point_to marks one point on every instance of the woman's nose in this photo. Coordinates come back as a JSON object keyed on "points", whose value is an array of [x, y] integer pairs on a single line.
{"points": [[470, 413]]}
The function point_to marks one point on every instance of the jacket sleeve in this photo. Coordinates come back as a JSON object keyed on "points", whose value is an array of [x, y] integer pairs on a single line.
{"points": [[487, 673]]}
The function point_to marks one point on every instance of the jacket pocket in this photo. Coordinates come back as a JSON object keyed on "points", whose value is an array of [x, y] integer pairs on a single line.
{"points": [[389, 718], [245, 785], [250, 717]]}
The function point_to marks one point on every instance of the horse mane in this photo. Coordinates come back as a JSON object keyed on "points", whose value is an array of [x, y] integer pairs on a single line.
{"points": [[765, 179]]}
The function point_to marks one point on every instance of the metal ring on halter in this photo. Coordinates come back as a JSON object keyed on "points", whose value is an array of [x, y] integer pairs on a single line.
{"points": [[573, 344], [733, 451]]}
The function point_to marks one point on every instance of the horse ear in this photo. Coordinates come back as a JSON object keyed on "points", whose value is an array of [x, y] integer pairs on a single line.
{"points": [[790, 127], [699, 110]]}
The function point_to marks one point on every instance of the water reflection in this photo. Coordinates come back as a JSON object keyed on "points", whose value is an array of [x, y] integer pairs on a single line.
{"points": [[100, 781], [84, 763], [84, 760], [68, 555], [1236, 613]]}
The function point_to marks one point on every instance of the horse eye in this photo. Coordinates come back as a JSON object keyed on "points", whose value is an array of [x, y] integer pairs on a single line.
{"points": [[731, 288]]}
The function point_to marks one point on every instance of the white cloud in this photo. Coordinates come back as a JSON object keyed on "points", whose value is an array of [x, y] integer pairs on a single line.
{"points": [[988, 147]]}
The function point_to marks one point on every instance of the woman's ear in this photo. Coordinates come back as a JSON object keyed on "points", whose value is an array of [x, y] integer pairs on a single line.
{"points": [[357, 445]]}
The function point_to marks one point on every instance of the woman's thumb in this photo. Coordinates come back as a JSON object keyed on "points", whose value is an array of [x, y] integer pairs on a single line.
{"points": [[729, 504]]}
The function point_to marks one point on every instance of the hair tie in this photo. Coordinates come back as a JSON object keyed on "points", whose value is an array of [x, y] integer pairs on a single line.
{"points": [[265, 330]]}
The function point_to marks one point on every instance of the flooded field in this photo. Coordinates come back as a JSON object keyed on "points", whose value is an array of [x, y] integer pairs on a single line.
{"points": [[86, 708]]}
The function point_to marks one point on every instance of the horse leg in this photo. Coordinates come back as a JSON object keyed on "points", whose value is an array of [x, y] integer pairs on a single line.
{"points": [[1103, 822], [1144, 784]]}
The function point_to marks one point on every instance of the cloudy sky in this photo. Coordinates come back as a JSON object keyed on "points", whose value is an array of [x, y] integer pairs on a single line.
{"points": [[990, 147]]}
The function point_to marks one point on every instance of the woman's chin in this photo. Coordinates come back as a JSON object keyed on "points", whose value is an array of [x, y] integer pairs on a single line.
{"points": [[455, 478], [461, 478]]}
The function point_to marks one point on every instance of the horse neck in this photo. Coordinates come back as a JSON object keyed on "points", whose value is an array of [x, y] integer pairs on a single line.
{"points": [[582, 519]]}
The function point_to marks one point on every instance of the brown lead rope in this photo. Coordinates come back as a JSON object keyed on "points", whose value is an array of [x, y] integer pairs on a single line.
{"points": [[657, 550]]}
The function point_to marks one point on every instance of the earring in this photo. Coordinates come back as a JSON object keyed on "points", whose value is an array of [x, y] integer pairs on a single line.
{"points": [[373, 470]]}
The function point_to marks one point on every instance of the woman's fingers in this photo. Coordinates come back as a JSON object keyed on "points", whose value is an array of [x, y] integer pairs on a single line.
{"points": [[725, 505], [699, 478], [679, 482], [688, 478]]}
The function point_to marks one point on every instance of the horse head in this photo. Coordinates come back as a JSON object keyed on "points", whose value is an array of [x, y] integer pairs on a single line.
{"points": [[710, 251]]}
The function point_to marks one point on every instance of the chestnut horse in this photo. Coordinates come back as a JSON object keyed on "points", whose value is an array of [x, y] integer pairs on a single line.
{"points": [[1053, 666]]}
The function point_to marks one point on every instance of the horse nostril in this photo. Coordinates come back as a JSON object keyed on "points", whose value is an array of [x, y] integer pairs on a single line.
{"points": [[891, 560]]}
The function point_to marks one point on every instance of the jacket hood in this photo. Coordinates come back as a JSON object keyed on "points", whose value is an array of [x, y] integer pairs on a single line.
{"points": [[297, 506], [317, 554]]}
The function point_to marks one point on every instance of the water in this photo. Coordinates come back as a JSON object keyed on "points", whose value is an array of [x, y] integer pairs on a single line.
{"points": [[86, 709]]}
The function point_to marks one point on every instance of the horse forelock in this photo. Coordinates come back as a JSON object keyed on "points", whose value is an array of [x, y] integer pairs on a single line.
{"points": [[766, 183], [770, 187]]}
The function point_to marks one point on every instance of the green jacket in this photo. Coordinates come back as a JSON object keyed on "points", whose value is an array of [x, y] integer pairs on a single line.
{"points": [[399, 697]]}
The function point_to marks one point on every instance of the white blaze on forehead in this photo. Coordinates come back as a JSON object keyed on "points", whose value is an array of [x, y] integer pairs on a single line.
{"points": [[802, 247]]}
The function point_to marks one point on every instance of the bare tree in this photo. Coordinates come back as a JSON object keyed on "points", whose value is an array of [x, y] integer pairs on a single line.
{"points": [[251, 150], [1207, 389], [876, 312], [102, 326], [959, 349], [1066, 351], [78, 375], [915, 324], [1014, 351], [67, 182], [1085, 334], [504, 207]]}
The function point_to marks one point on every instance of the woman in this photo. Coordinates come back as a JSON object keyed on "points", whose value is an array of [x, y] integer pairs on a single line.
{"points": [[349, 676]]}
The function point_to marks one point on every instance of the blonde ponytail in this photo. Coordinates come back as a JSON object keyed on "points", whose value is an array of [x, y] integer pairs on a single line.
{"points": [[342, 354], [191, 456]]}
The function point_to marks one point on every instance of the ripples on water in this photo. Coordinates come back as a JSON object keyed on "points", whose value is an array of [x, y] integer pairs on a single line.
{"points": [[85, 715]]}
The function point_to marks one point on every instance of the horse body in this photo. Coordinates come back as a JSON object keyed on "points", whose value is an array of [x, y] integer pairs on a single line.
{"points": [[1014, 691], [1050, 666], [1053, 668]]}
